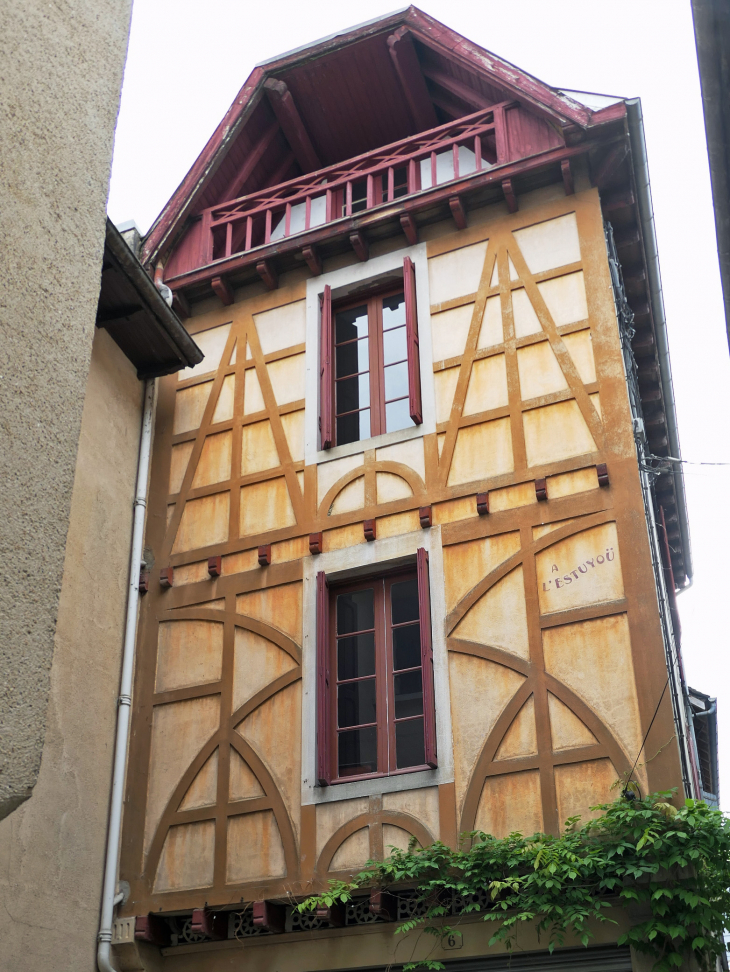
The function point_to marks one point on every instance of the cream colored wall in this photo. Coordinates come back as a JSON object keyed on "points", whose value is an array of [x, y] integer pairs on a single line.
{"points": [[52, 847]]}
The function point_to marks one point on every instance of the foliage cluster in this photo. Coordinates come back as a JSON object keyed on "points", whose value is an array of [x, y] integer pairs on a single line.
{"points": [[670, 866]]}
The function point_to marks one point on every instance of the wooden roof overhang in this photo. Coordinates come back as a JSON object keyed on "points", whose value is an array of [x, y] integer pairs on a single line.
{"points": [[134, 313], [460, 79]]}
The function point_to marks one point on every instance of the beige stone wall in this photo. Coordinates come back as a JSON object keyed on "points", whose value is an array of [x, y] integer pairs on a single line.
{"points": [[52, 847], [60, 81]]}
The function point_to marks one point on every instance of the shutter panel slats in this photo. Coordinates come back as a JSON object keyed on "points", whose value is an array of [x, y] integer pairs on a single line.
{"points": [[414, 364], [323, 681], [424, 613], [326, 385]]}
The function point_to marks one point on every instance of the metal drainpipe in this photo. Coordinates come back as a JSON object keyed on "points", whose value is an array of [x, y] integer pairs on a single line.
{"points": [[110, 897]]}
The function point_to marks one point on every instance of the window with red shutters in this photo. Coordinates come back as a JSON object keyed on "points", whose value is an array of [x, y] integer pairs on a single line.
{"points": [[369, 364], [376, 714]]}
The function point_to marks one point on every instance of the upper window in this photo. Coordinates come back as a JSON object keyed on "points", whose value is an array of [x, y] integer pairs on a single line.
{"points": [[370, 378], [376, 710]]}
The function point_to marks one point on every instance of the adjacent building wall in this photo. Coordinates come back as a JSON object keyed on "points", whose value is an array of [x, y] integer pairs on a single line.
{"points": [[52, 847], [61, 75]]}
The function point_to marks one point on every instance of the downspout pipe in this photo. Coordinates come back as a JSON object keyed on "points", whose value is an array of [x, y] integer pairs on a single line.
{"points": [[110, 896], [646, 215]]}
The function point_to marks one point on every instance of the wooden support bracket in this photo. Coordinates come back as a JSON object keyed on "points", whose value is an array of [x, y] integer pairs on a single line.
{"points": [[408, 224], [602, 470], [541, 490], [458, 212], [334, 914], [360, 245], [384, 905], [509, 195], [369, 530], [611, 161], [222, 289], [144, 581], [152, 928], [166, 575], [313, 259], [567, 172], [209, 923], [482, 504], [617, 201], [315, 543], [265, 555], [269, 917], [180, 304], [215, 565], [425, 516], [265, 270]]}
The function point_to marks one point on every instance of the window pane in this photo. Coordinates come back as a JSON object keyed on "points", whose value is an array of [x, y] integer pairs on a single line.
{"points": [[397, 416], [396, 381], [408, 692], [409, 746], [356, 703], [394, 311], [404, 602], [358, 752], [355, 611], [356, 656], [351, 358], [352, 393], [400, 182], [406, 647], [350, 324], [353, 427], [395, 346]]}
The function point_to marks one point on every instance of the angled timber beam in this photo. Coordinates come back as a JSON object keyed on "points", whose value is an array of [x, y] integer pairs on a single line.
{"points": [[458, 211], [267, 272], [239, 180], [509, 195], [360, 245], [408, 69], [314, 260], [458, 89], [409, 227], [296, 134], [610, 162]]}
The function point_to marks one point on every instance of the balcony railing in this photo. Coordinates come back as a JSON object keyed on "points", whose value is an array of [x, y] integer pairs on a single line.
{"points": [[445, 154]]}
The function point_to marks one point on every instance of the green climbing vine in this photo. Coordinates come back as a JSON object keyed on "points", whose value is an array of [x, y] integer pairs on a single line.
{"points": [[674, 864]]}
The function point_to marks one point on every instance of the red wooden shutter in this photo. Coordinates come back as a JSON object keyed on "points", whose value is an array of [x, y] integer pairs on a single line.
{"points": [[323, 680], [424, 613], [326, 390], [414, 362]]}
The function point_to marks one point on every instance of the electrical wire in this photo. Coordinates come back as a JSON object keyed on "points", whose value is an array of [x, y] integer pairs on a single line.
{"points": [[646, 736]]}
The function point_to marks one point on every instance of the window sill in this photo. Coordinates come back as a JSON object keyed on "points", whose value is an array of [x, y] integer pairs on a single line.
{"points": [[372, 785], [377, 442]]}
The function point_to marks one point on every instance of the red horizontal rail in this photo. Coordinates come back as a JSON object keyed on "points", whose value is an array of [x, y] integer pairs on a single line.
{"points": [[372, 175]]}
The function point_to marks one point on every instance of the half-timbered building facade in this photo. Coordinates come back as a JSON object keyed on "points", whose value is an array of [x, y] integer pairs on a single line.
{"points": [[413, 561]]}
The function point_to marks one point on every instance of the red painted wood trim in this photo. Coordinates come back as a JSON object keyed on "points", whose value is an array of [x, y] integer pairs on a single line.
{"points": [[408, 69], [166, 575], [360, 245], [424, 611], [463, 92], [370, 530], [211, 924], [215, 566], [324, 741], [458, 212], [414, 359], [267, 272], [326, 390], [409, 227], [264, 555], [335, 914], [152, 928], [602, 472], [282, 103], [222, 289], [482, 504], [541, 490], [144, 581], [509, 195], [269, 916], [313, 259], [567, 172], [425, 516], [315, 543]]}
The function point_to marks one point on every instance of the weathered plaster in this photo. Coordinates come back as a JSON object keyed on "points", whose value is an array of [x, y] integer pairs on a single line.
{"points": [[52, 847], [61, 69]]}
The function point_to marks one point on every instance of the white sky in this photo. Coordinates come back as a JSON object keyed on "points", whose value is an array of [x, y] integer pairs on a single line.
{"points": [[188, 59]]}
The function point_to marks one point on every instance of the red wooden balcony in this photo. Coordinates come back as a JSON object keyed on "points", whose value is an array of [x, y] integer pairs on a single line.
{"points": [[449, 153]]}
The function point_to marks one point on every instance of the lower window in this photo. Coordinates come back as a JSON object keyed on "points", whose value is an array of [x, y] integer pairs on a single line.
{"points": [[376, 711]]}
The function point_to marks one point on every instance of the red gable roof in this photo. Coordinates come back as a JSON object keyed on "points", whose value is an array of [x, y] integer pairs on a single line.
{"points": [[369, 86]]}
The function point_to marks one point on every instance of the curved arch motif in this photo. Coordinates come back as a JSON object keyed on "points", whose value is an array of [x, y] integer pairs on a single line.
{"points": [[224, 738], [397, 818], [407, 473], [538, 682]]}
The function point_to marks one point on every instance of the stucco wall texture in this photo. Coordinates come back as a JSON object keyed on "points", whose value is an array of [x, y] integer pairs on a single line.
{"points": [[52, 847], [61, 66]]}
